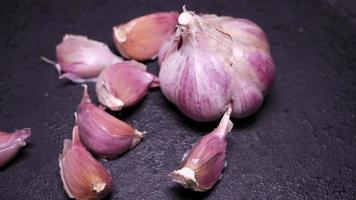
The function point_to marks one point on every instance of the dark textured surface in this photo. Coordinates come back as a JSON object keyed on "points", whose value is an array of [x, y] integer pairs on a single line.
{"points": [[300, 145]]}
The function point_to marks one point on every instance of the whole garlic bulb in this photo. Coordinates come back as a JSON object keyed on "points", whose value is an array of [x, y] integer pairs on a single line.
{"points": [[213, 62]]}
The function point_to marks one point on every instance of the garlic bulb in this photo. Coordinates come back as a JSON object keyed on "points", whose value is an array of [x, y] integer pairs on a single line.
{"points": [[104, 135], [141, 38], [81, 59], [124, 84], [11, 143], [214, 61], [202, 166], [83, 177]]}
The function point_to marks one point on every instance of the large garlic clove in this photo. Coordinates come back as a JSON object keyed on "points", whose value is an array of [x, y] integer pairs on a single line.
{"points": [[11, 143], [141, 38], [104, 135], [83, 177], [202, 166], [80, 59], [124, 84], [215, 61]]}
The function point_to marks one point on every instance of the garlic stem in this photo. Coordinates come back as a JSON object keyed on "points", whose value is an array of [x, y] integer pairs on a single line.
{"points": [[225, 125], [85, 98], [51, 62], [184, 18]]}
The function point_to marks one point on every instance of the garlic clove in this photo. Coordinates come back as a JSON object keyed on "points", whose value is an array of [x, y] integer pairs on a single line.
{"points": [[83, 177], [201, 168], [141, 38], [11, 143], [103, 134], [124, 84], [80, 59]]}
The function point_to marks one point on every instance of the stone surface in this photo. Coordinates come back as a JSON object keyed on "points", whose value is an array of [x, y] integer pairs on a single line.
{"points": [[300, 145]]}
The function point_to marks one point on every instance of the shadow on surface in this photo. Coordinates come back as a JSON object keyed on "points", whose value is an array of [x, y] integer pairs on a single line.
{"points": [[183, 193], [21, 155]]}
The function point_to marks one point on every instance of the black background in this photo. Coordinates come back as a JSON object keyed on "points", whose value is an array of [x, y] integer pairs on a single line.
{"points": [[300, 145]]}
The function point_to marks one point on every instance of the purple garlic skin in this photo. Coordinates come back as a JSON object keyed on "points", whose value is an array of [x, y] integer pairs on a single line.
{"points": [[202, 166], [82, 175], [11, 143], [103, 134], [80, 59], [124, 84], [213, 62]]}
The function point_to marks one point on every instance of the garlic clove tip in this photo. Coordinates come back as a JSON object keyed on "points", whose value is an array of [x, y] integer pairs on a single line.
{"points": [[185, 177], [99, 187], [51, 62], [140, 135], [85, 97], [120, 34], [107, 98]]}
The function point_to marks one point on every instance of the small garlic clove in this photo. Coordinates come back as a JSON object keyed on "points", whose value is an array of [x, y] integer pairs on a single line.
{"points": [[83, 177], [104, 135], [11, 143], [201, 168], [80, 59], [141, 38], [124, 84]]}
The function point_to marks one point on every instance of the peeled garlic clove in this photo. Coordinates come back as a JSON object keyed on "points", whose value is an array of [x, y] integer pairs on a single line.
{"points": [[215, 61], [11, 143], [104, 135], [83, 177], [141, 38], [81, 59], [202, 166], [124, 84]]}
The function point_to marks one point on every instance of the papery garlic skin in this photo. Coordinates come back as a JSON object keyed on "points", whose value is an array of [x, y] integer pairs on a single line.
{"points": [[104, 135], [80, 59], [83, 177], [142, 37], [11, 143], [202, 166], [215, 61], [124, 84]]}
